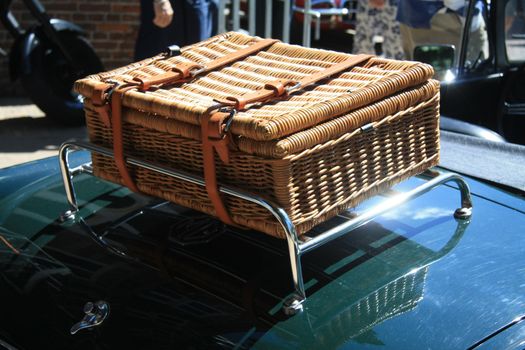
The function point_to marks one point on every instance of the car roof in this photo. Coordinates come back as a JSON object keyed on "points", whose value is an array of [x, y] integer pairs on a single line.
{"points": [[498, 162]]}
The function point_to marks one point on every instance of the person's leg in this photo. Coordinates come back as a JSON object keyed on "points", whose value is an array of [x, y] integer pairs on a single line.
{"points": [[198, 21], [407, 40]]}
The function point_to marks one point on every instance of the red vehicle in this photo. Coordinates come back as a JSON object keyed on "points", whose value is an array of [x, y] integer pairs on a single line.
{"points": [[332, 14]]}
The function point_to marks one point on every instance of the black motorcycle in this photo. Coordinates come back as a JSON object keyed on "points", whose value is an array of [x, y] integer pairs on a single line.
{"points": [[48, 57]]}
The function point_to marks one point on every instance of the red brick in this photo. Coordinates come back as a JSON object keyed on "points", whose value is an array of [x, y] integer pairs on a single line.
{"points": [[113, 27], [100, 35], [113, 18], [107, 45], [117, 36], [54, 7], [96, 17], [130, 18], [90, 7], [79, 17], [119, 8]]}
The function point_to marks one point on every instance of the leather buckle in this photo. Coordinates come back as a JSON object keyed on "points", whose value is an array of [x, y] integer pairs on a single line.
{"points": [[188, 70]]}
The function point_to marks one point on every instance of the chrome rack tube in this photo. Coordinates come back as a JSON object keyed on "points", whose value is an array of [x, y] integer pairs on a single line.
{"points": [[286, 21], [278, 213], [67, 178], [251, 17], [268, 19], [236, 9], [221, 18], [338, 231], [307, 20], [296, 247]]}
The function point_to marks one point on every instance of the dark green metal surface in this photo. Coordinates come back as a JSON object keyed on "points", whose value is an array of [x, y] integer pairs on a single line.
{"points": [[414, 278]]}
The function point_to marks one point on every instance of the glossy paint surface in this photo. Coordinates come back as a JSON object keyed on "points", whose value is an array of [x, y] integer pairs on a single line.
{"points": [[414, 278]]}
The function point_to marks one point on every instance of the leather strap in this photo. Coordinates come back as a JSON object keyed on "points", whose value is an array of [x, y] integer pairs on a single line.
{"points": [[118, 146], [212, 128], [99, 100], [180, 73], [237, 55], [214, 140], [282, 88], [184, 71]]}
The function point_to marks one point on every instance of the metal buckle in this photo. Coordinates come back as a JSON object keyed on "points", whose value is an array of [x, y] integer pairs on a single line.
{"points": [[293, 87], [229, 119], [172, 51], [110, 90], [195, 72]]}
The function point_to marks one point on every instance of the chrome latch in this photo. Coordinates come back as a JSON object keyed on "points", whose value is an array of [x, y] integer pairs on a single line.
{"points": [[96, 313], [172, 51]]}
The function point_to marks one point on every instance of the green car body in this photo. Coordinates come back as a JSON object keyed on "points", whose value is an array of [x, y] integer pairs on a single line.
{"points": [[414, 278]]}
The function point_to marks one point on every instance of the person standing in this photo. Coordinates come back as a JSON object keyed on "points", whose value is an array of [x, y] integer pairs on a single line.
{"points": [[377, 18], [168, 22], [439, 22]]}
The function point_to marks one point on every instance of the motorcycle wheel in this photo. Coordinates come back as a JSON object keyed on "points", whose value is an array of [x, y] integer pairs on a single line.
{"points": [[49, 83]]}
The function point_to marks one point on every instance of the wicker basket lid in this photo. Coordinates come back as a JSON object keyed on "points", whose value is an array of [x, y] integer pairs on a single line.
{"points": [[356, 87]]}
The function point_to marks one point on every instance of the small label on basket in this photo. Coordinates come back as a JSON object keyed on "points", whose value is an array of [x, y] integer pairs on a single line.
{"points": [[172, 51], [367, 127]]}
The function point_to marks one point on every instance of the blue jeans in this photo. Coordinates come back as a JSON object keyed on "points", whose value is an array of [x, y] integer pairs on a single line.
{"points": [[193, 21]]}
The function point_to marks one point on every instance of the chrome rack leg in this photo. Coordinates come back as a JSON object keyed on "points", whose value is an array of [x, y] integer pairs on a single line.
{"points": [[67, 178], [294, 304], [295, 247], [464, 212]]}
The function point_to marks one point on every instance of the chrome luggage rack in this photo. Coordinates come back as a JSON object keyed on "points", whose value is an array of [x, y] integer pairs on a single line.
{"points": [[296, 246]]}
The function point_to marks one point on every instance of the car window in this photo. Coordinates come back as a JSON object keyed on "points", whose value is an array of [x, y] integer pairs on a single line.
{"points": [[477, 49], [515, 30], [443, 48]]}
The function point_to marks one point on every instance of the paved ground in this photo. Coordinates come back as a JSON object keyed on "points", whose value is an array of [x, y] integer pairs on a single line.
{"points": [[25, 134]]}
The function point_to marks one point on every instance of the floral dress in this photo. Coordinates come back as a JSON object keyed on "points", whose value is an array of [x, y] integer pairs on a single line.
{"points": [[372, 21]]}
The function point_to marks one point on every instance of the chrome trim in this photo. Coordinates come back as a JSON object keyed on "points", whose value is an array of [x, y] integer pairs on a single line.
{"points": [[251, 17], [268, 19], [95, 314], [290, 89], [387, 205], [221, 20], [307, 20], [236, 9], [323, 12], [286, 21], [317, 14], [296, 247]]}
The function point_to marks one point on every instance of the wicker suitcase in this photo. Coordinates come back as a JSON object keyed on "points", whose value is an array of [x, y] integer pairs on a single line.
{"points": [[314, 131]]}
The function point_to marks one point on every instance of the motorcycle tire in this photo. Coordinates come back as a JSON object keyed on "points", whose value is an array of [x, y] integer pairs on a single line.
{"points": [[49, 82]]}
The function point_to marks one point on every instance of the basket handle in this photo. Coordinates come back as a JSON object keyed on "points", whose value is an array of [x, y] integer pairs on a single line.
{"points": [[282, 88]]}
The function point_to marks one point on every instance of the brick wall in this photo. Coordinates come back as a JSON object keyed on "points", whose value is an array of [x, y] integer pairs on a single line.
{"points": [[111, 28]]}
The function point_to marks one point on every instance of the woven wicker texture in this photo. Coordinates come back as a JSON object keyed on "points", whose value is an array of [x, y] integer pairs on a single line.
{"points": [[358, 87], [307, 153]]}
